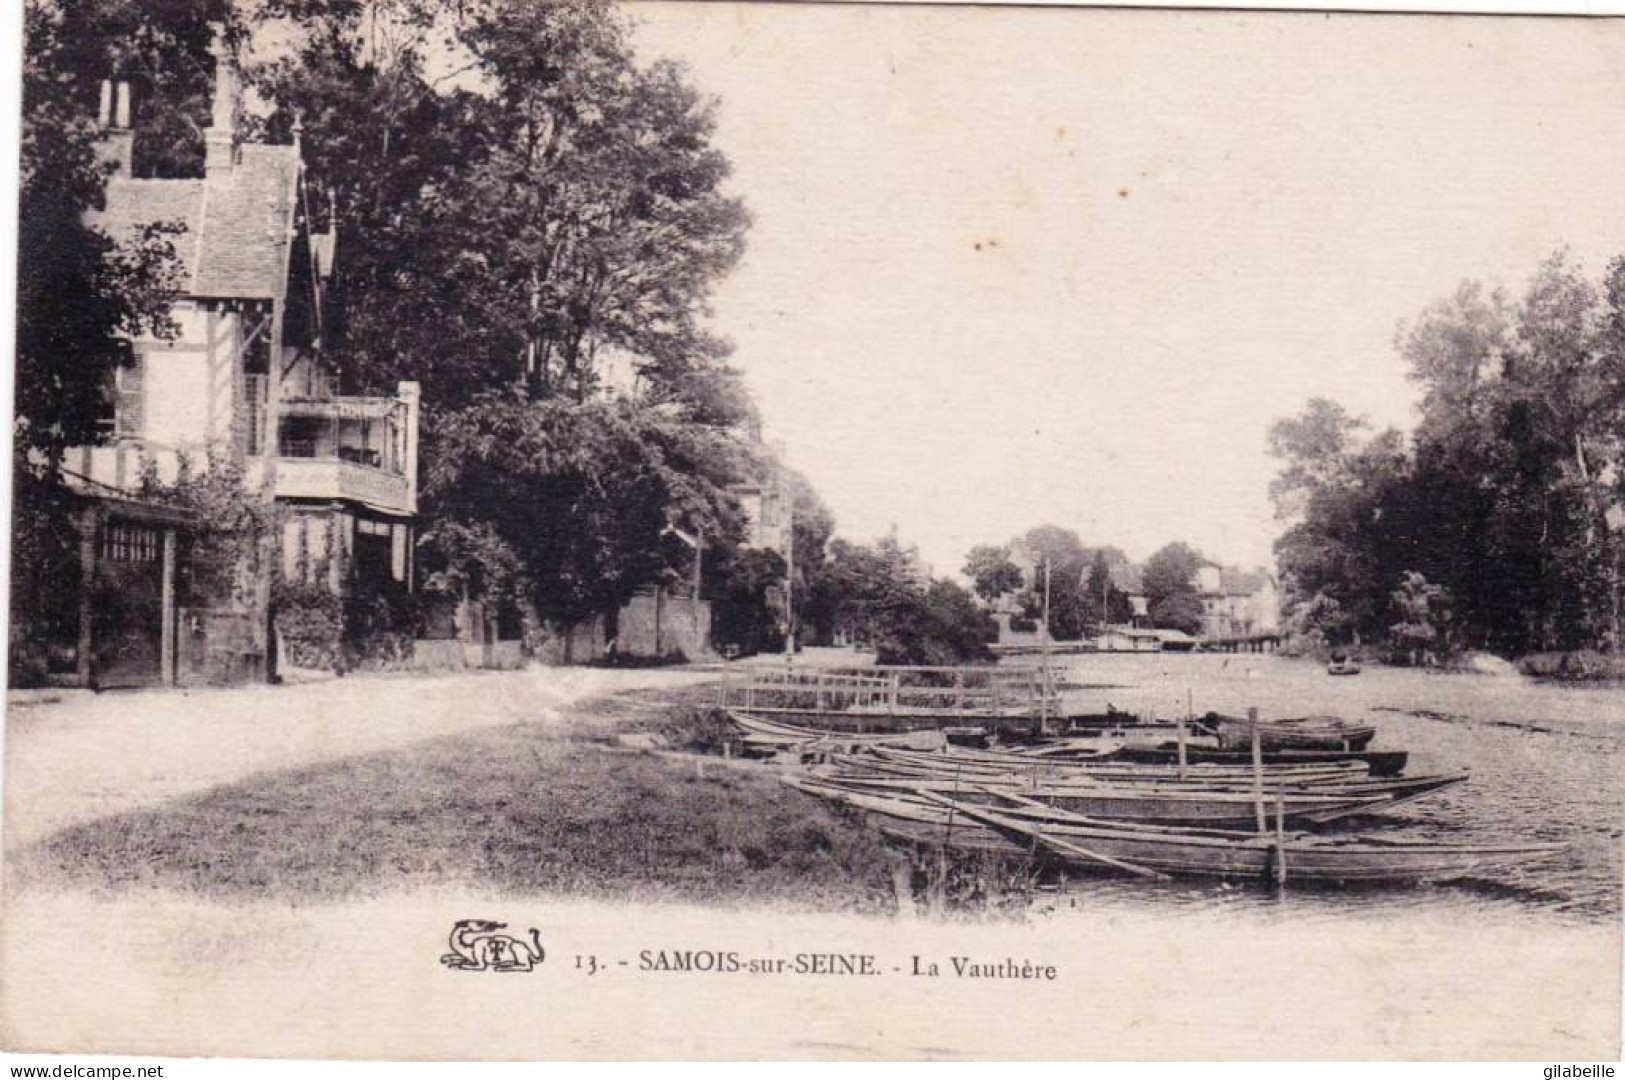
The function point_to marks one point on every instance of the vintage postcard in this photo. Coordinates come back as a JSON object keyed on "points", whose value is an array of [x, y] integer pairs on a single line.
{"points": [[815, 531]]}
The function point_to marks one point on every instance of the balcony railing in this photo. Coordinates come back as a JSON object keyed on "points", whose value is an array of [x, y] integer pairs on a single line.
{"points": [[333, 478]]}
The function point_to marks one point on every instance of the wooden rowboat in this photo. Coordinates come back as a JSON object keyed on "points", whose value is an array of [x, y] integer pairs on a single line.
{"points": [[1212, 853], [769, 736], [958, 759], [1380, 762], [1132, 803], [1302, 733], [1349, 780]]}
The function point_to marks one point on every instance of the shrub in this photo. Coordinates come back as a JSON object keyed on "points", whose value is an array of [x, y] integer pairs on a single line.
{"points": [[698, 728], [310, 620], [1578, 666]]}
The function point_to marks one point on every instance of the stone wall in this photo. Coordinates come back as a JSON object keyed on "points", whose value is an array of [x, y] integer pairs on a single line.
{"points": [[437, 654], [216, 647], [575, 644], [659, 624]]}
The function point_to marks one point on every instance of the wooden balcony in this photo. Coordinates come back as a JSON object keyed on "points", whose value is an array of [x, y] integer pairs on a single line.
{"points": [[327, 478]]}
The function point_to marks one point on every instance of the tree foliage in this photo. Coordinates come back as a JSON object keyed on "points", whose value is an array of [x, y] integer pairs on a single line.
{"points": [[878, 596], [565, 504], [1171, 596], [747, 600], [991, 572], [81, 294], [1114, 605], [525, 210], [1501, 499], [522, 200]]}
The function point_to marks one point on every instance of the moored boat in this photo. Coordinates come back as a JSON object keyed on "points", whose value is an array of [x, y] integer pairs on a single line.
{"points": [[1298, 733], [1379, 762], [959, 760], [1016, 830], [1341, 663], [1148, 804], [770, 736]]}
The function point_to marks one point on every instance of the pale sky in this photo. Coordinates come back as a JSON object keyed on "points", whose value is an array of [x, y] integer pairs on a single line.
{"points": [[1021, 265]]}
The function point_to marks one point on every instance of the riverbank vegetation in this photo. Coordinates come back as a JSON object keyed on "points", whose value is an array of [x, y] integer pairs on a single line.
{"points": [[625, 798], [1499, 523], [522, 809]]}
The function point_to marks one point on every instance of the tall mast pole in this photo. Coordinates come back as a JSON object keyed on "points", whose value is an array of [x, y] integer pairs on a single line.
{"points": [[1044, 679], [789, 575], [1046, 605], [1105, 600]]}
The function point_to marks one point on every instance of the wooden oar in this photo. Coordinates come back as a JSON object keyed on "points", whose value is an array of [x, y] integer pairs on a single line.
{"points": [[999, 821]]}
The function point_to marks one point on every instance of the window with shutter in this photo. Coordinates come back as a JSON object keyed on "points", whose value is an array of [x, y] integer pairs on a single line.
{"points": [[129, 399], [253, 415]]}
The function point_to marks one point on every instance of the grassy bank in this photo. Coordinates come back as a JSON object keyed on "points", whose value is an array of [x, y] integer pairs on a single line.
{"points": [[559, 809]]}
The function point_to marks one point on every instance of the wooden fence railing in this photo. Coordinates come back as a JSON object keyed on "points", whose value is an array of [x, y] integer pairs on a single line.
{"points": [[945, 693]]}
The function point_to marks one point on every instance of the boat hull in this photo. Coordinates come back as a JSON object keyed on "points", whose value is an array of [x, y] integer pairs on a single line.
{"points": [[1235, 734], [1182, 852], [1141, 805], [1381, 763]]}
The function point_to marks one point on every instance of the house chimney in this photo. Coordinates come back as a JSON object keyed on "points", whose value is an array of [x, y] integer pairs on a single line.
{"points": [[118, 141], [219, 140]]}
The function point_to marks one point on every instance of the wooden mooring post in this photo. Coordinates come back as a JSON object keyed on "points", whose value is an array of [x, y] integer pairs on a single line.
{"points": [[1258, 769], [1280, 839], [1179, 733]]}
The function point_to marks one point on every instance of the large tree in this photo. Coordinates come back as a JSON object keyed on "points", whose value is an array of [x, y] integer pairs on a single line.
{"points": [[81, 294], [991, 572], [580, 497], [1501, 498], [1110, 603], [522, 198], [1170, 591], [1071, 612], [524, 209], [879, 598]]}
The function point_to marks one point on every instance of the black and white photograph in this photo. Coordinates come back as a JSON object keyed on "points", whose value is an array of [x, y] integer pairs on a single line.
{"points": [[616, 529]]}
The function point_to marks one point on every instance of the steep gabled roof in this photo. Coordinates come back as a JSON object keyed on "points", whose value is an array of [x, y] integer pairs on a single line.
{"points": [[237, 222], [1238, 582], [134, 204], [247, 219]]}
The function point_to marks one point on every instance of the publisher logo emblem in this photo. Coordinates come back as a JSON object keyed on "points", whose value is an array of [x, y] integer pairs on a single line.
{"points": [[480, 945]]}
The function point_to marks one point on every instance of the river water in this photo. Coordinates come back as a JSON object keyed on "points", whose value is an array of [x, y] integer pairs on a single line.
{"points": [[1546, 762]]}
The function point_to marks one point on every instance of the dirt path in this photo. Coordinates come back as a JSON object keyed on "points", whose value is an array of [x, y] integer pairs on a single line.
{"points": [[88, 755]]}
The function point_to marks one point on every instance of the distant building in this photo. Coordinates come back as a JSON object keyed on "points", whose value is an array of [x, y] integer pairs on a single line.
{"points": [[768, 511], [1126, 578], [1236, 602]]}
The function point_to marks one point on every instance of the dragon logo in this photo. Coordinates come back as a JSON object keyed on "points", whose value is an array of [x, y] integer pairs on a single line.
{"points": [[476, 945]]}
